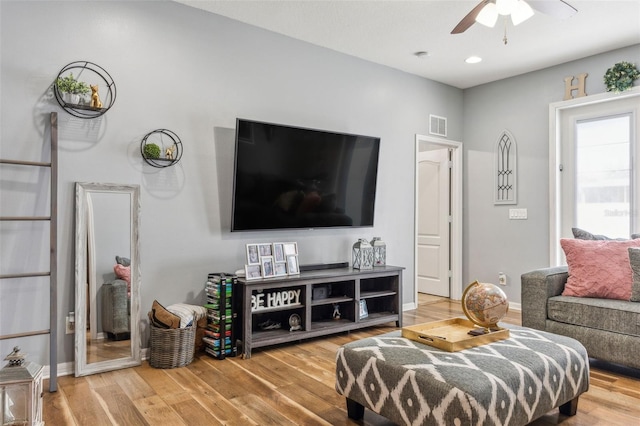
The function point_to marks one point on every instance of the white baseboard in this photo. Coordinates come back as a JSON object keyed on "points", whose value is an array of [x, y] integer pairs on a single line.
{"points": [[67, 368], [412, 305], [409, 306], [64, 369]]}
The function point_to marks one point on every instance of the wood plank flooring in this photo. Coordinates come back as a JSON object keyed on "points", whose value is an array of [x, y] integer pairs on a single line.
{"points": [[106, 349], [291, 384]]}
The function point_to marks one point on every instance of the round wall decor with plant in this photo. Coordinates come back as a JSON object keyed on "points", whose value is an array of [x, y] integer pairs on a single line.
{"points": [[84, 89], [161, 148], [621, 76]]}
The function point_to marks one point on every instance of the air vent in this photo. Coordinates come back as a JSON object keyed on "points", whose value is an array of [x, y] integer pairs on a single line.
{"points": [[437, 125]]}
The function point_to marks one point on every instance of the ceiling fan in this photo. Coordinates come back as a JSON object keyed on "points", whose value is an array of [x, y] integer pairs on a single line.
{"points": [[487, 11]]}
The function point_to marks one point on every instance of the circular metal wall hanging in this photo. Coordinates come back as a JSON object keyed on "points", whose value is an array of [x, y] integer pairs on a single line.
{"points": [[84, 89], [161, 148]]}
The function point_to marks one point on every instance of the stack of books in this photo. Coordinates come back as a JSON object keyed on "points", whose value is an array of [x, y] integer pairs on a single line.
{"points": [[218, 337]]}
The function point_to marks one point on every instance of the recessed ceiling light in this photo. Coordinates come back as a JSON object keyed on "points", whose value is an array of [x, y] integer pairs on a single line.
{"points": [[473, 59], [421, 54]]}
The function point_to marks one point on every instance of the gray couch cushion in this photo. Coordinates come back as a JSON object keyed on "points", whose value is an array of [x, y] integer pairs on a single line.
{"points": [[604, 345], [581, 234], [618, 316], [634, 261]]}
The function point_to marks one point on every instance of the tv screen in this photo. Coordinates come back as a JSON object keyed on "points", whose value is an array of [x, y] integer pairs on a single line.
{"points": [[288, 177]]}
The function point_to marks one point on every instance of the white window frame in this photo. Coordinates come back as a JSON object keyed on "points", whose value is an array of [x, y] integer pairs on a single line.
{"points": [[555, 144]]}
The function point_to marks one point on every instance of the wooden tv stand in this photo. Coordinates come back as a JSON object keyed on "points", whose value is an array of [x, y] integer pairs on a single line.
{"points": [[309, 302]]}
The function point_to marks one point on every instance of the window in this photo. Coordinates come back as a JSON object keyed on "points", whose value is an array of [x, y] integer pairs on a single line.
{"points": [[593, 175], [603, 200]]}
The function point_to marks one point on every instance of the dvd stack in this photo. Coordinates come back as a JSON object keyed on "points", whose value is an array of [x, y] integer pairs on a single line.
{"points": [[219, 336]]}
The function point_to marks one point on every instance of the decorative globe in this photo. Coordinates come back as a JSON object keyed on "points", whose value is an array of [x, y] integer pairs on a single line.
{"points": [[484, 304]]}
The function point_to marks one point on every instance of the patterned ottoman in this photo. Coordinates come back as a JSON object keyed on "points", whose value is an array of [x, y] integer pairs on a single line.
{"points": [[509, 382]]}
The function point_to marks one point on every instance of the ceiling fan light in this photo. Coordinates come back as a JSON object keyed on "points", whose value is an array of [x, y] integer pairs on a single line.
{"points": [[488, 15], [521, 12], [505, 7]]}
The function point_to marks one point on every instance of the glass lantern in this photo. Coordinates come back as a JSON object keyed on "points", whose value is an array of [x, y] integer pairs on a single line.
{"points": [[362, 255], [379, 252], [20, 391]]}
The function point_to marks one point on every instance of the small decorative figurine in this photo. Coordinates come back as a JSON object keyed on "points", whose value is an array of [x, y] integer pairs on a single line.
{"points": [[336, 311], [168, 154], [295, 322], [95, 98], [15, 358]]}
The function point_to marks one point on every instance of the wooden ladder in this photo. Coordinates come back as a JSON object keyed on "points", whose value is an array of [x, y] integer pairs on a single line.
{"points": [[53, 258]]}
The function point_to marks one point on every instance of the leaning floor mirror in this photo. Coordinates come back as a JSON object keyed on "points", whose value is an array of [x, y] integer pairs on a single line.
{"points": [[107, 331]]}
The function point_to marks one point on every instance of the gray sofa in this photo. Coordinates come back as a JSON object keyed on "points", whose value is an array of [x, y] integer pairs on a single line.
{"points": [[609, 329]]}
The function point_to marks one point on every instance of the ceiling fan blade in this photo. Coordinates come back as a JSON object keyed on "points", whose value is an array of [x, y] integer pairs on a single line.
{"points": [[470, 19], [556, 8]]}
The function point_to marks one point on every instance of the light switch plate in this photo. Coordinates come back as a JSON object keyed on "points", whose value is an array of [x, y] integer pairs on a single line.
{"points": [[518, 214]]}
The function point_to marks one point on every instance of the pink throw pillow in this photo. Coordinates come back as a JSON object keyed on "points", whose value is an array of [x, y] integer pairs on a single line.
{"points": [[598, 268], [123, 273]]}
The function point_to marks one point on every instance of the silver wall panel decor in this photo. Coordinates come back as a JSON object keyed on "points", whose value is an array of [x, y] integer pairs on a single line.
{"points": [[505, 173]]}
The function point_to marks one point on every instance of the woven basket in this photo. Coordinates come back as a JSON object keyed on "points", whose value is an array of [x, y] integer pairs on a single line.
{"points": [[172, 347]]}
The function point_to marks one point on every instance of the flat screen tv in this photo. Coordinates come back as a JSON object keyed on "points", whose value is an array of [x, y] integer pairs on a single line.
{"points": [[290, 178]]}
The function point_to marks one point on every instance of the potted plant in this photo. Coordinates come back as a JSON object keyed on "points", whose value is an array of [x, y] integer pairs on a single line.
{"points": [[71, 88], [151, 150]]}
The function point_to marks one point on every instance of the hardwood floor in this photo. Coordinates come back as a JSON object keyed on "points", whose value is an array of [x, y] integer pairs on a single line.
{"points": [[291, 384], [106, 349]]}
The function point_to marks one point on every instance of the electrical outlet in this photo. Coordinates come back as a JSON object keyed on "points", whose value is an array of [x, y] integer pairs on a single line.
{"points": [[502, 278], [70, 323]]}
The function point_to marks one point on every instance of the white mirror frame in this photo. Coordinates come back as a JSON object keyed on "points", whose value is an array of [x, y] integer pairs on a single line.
{"points": [[83, 190]]}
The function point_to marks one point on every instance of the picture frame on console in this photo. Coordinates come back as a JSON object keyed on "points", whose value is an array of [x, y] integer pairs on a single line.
{"points": [[252, 272], [280, 269], [290, 249], [293, 268], [253, 256], [364, 312], [278, 252], [268, 268], [265, 249]]}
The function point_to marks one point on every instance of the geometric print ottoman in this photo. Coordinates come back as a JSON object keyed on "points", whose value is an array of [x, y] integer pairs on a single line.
{"points": [[508, 382]]}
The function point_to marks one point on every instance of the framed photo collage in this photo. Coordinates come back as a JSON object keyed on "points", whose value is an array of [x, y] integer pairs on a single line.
{"points": [[268, 260]]}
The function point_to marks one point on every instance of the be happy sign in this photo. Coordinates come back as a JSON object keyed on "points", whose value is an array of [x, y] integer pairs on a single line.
{"points": [[276, 299]]}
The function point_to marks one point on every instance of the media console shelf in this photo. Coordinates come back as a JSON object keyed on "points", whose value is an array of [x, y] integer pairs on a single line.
{"points": [[317, 303]]}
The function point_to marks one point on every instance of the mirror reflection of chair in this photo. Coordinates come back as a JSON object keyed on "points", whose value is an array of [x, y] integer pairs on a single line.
{"points": [[116, 315]]}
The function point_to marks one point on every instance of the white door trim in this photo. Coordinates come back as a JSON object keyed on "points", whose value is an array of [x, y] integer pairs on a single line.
{"points": [[456, 213], [555, 112]]}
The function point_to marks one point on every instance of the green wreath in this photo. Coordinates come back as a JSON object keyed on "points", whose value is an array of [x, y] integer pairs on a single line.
{"points": [[620, 77]]}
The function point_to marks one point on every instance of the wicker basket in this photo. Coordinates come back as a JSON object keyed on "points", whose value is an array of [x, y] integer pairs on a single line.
{"points": [[171, 347]]}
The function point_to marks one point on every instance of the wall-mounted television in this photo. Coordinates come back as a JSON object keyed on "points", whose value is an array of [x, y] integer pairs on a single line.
{"points": [[289, 177]]}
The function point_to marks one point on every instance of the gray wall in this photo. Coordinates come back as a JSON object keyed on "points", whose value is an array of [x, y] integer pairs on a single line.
{"points": [[193, 73], [492, 242]]}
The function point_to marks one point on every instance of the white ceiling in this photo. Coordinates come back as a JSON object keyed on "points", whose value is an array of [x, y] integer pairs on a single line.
{"points": [[390, 32]]}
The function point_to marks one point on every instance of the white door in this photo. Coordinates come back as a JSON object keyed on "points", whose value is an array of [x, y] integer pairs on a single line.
{"points": [[433, 194]]}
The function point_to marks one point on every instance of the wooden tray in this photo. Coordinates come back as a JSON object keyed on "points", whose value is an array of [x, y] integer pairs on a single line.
{"points": [[451, 335]]}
